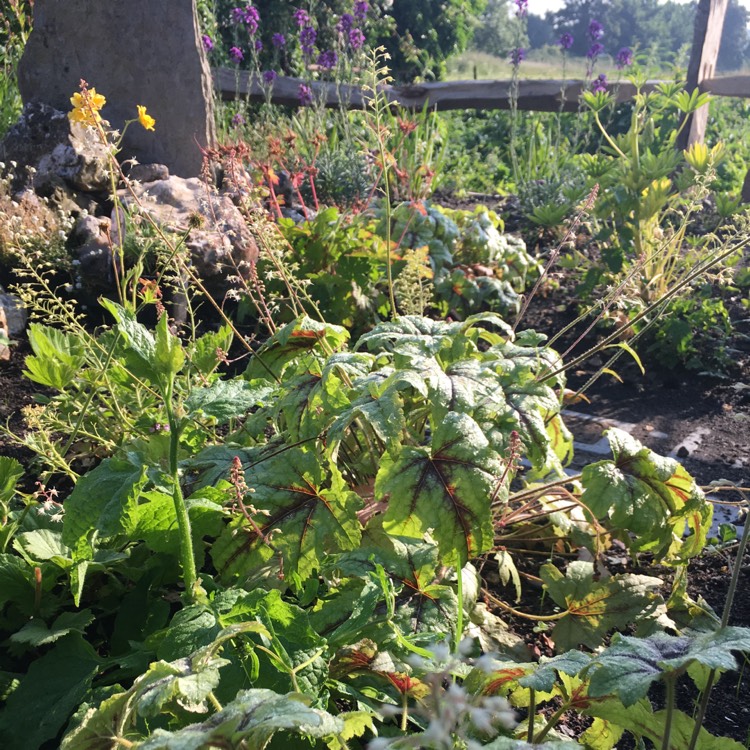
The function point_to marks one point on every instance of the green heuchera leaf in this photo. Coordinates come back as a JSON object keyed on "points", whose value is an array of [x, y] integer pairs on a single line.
{"points": [[102, 504], [16, 582], [10, 472], [431, 336], [507, 743], [228, 399], [445, 488], [58, 357], [424, 602], [629, 666], [596, 607], [36, 633], [649, 497], [252, 718], [186, 682], [298, 651], [157, 520], [303, 510], [54, 686], [297, 340], [140, 343], [641, 719], [202, 353], [544, 675]]}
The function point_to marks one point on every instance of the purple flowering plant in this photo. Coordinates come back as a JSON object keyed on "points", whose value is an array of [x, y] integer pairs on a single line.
{"points": [[208, 43], [624, 58], [565, 41], [345, 23], [517, 56], [522, 8], [595, 50], [236, 54], [599, 85], [304, 93], [269, 76], [301, 17], [327, 60], [361, 7], [307, 38], [278, 41], [596, 30], [356, 39]]}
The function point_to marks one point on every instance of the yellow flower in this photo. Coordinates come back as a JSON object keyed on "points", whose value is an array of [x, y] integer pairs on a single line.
{"points": [[86, 106], [146, 120]]}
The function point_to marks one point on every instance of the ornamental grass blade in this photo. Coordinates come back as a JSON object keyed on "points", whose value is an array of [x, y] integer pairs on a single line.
{"points": [[444, 488]]}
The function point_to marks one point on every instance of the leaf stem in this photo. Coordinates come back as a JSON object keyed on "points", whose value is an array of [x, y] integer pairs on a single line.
{"points": [[460, 596], [531, 716], [665, 744], [551, 723]]}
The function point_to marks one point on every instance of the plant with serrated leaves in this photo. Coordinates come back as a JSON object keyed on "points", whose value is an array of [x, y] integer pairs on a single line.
{"points": [[649, 189]]}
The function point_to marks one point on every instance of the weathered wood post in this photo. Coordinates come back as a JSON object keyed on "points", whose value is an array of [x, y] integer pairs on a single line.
{"points": [[134, 52], [709, 23]]}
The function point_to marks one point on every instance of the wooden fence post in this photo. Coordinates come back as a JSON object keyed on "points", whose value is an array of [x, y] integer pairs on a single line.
{"points": [[709, 23]]}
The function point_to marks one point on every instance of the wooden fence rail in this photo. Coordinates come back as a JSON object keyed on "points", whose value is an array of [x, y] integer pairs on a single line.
{"points": [[544, 95]]}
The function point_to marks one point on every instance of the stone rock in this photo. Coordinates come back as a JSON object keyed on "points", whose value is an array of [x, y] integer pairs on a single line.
{"points": [[134, 52], [65, 156], [148, 172], [220, 243], [91, 245], [14, 313]]}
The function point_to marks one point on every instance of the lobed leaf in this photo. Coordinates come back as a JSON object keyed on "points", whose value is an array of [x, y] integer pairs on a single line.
{"points": [[445, 489]]}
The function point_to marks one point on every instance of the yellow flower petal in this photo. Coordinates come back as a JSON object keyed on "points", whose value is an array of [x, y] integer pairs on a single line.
{"points": [[146, 120], [97, 100]]}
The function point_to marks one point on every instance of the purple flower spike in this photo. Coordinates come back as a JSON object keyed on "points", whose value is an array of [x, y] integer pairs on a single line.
{"points": [[238, 120], [624, 58], [360, 9], [252, 19], [346, 23], [269, 76], [278, 41], [258, 45], [517, 56], [305, 95], [596, 30], [595, 50], [566, 41], [522, 8], [356, 39], [237, 15], [307, 38], [208, 43], [599, 86], [236, 54], [301, 17], [328, 59]]}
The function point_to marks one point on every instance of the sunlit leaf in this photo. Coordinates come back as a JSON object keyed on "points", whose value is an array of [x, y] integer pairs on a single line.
{"points": [[444, 488]]}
